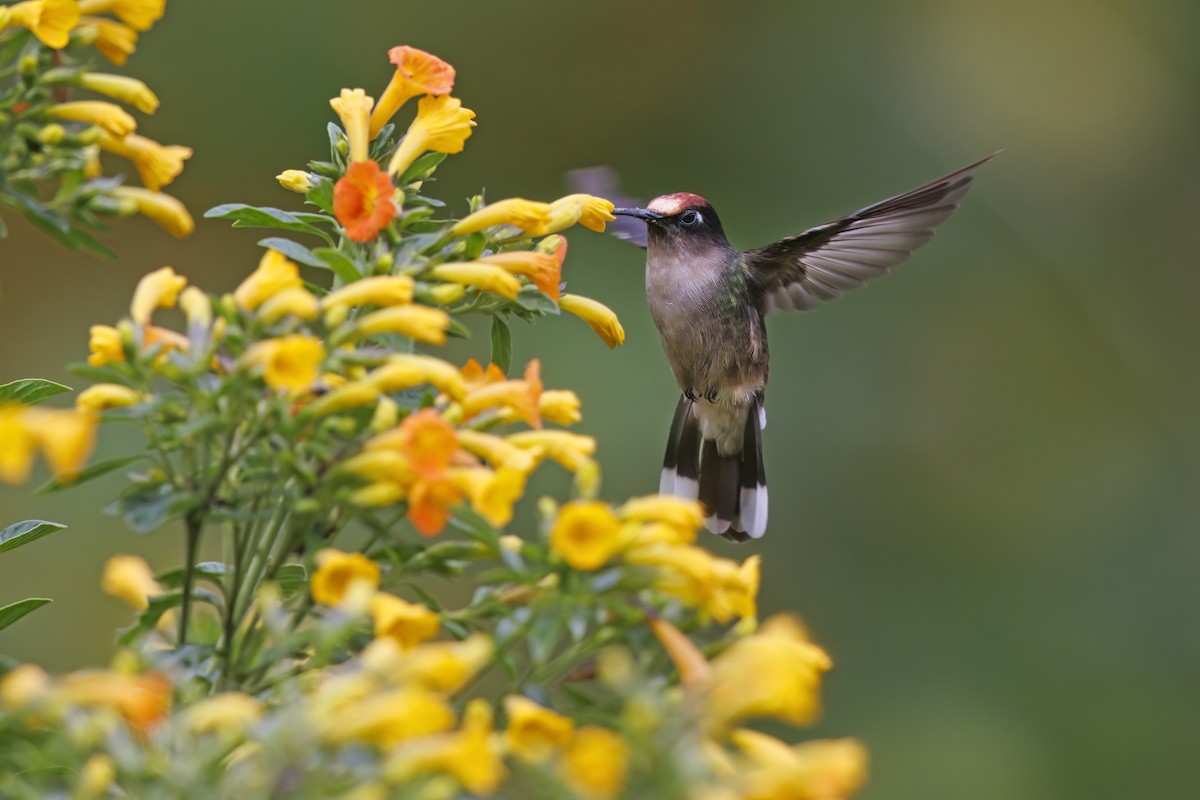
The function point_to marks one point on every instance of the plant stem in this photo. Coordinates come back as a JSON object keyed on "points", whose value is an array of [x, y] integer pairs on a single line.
{"points": [[194, 527]]}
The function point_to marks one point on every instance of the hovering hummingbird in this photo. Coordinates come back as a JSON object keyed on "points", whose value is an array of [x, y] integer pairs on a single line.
{"points": [[709, 301]]}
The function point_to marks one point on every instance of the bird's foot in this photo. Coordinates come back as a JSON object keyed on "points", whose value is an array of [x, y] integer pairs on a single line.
{"points": [[690, 394], [712, 394]]}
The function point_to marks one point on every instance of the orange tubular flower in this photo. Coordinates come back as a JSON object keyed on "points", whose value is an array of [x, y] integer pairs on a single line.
{"points": [[429, 503], [362, 201], [522, 396], [417, 72], [442, 125], [544, 270], [428, 441]]}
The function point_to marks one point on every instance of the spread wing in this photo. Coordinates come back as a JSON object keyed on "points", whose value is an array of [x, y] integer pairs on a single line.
{"points": [[602, 182], [823, 262]]}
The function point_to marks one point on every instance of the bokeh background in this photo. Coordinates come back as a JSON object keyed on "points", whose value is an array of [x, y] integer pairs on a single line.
{"points": [[983, 468]]}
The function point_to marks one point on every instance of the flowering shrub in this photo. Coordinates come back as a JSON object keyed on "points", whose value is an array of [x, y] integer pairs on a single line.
{"points": [[344, 477]]}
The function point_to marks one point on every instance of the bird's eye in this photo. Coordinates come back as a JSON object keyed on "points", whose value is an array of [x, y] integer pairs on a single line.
{"points": [[689, 218]]}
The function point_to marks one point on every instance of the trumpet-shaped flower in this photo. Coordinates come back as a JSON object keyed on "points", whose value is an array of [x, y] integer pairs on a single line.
{"points": [[535, 732], [158, 289], [596, 762], [115, 41], [569, 449], [406, 370], [492, 493], [498, 452], [686, 515], [143, 700], [589, 211], [598, 316], [163, 209], [337, 571], [104, 344], [129, 578], [106, 395], [353, 108], [51, 21], [528, 215], [289, 362], [417, 73], [471, 755], [438, 666], [109, 116], [429, 504], [444, 294], [295, 180], [381, 463], [428, 441], [363, 200], [294, 301], [775, 673], [273, 274], [157, 165], [827, 769], [693, 668], [17, 445], [66, 438], [422, 323], [138, 14], [130, 91], [586, 534], [387, 718], [522, 396], [379, 290], [544, 270], [354, 394], [227, 713], [378, 495], [442, 125], [485, 277], [408, 624], [560, 406]]}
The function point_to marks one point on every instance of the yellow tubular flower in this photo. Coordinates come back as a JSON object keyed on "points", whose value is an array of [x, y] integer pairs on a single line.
{"points": [[595, 763], [407, 370], [17, 445], [687, 515], [50, 20], [421, 323], [91, 162], [353, 395], [598, 316], [387, 414], [408, 624], [775, 673], [158, 289], [336, 571], [353, 107], [586, 534], [274, 274], [96, 777], [521, 396], [534, 732], [590, 212], [197, 307], [109, 116], [23, 685], [380, 290], [528, 215], [833, 769], [229, 713], [442, 125], [157, 164], [689, 661], [485, 277], [569, 449], [289, 362], [499, 453], [104, 342], [128, 90], [295, 180], [379, 495], [130, 578], [163, 209], [492, 494], [471, 755], [386, 718], [115, 41], [295, 301], [544, 270], [65, 437], [560, 406], [439, 666], [138, 14], [445, 294], [106, 395], [379, 463], [417, 73], [143, 700]]}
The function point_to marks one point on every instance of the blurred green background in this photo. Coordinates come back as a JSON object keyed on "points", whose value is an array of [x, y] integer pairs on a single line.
{"points": [[983, 468]]}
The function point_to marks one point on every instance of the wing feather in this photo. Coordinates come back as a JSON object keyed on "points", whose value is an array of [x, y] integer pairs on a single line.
{"points": [[824, 262]]}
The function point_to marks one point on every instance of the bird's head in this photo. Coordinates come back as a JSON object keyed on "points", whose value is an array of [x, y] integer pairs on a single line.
{"points": [[681, 219]]}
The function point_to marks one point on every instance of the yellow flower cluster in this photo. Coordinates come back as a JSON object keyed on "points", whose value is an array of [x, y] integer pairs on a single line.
{"points": [[658, 532], [65, 439]]}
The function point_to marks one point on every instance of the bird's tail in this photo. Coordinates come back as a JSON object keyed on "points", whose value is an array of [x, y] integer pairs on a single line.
{"points": [[732, 488]]}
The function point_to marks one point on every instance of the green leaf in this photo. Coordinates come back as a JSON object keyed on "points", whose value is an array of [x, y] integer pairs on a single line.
{"points": [[14, 611], [421, 169], [245, 216], [339, 263], [544, 634], [106, 374], [293, 250], [532, 299], [90, 473], [23, 533], [147, 506], [173, 578], [501, 344], [292, 579], [321, 194], [30, 391], [475, 526]]}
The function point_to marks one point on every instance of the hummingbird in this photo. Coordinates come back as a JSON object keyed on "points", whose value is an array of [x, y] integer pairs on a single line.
{"points": [[709, 302]]}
